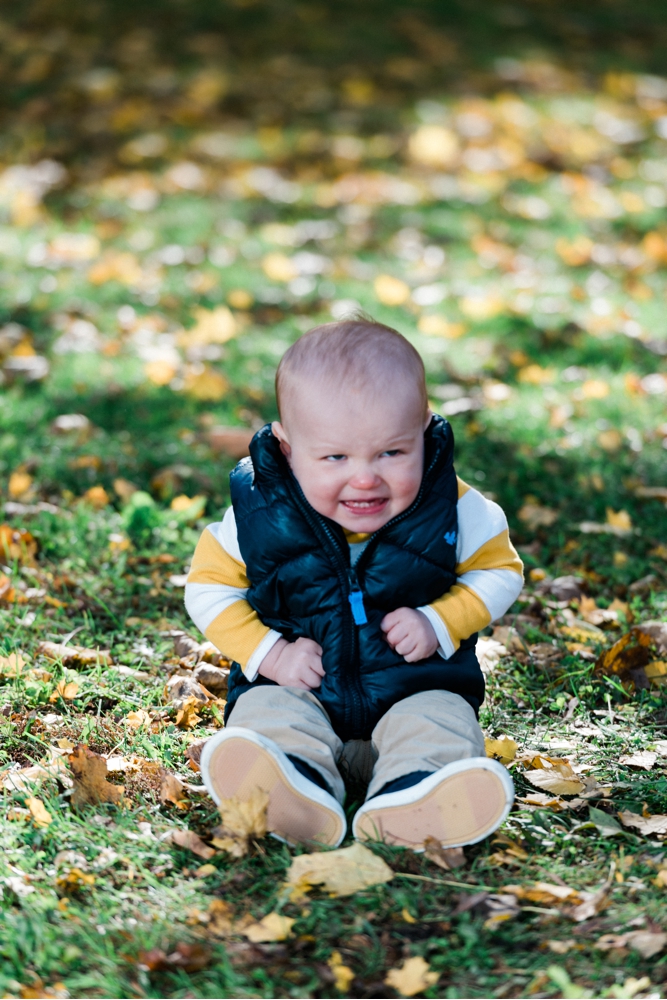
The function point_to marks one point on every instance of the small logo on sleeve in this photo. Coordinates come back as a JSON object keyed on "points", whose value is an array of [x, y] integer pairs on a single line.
{"points": [[450, 537]]}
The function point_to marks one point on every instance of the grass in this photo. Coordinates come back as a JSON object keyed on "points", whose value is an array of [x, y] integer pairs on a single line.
{"points": [[549, 367]]}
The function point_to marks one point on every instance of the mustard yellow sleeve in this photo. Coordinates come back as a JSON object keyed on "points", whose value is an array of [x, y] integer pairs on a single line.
{"points": [[215, 599]]}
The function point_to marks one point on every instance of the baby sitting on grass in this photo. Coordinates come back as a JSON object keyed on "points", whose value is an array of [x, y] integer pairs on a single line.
{"points": [[348, 581]]}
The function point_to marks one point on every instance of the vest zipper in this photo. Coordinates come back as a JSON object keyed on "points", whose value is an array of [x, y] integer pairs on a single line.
{"points": [[348, 582]]}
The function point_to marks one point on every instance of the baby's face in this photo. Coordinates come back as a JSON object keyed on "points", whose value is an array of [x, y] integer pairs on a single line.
{"points": [[358, 456]]}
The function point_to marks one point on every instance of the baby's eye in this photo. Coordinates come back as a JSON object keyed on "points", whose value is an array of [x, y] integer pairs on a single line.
{"points": [[393, 451], [334, 458]]}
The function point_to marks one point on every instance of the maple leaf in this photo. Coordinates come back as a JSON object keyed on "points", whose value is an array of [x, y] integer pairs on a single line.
{"points": [[186, 717], [413, 977], [242, 821], [67, 690], [341, 872], [90, 778], [504, 749]]}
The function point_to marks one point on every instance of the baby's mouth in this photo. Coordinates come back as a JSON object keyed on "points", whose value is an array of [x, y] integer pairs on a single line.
{"points": [[373, 505]]}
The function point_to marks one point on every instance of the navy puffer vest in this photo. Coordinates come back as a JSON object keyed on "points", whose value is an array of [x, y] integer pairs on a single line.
{"points": [[298, 563]]}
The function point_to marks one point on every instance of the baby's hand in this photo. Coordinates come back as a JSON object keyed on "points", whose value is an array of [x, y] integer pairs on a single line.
{"points": [[410, 634], [294, 664]]}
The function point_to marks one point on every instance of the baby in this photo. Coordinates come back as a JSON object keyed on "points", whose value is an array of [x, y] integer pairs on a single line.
{"points": [[348, 581]]}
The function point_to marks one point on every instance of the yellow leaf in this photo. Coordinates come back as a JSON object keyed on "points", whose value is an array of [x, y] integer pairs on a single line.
{"points": [[438, 326], [215, 326], [279, 267], [186, 717], [559, 780], [12, 665], [341, 872], [413, 977], [481, 307], [272, 927], [504, 749], [19, 484], [207, 384], [391, 291], [189, 507], [38, 811], [343, 974], [240, 298], [535, 375], [434, 146], [619, 519], [534, 515], [96, 496], [160, 372], [656, 671], [242, 821], [67, 690], [661, 879], [595, 389], [407, 916], [205, 870], [137, 718]]}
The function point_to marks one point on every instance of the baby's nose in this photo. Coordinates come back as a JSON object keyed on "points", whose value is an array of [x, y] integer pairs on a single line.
{"points": [[364, 479]]}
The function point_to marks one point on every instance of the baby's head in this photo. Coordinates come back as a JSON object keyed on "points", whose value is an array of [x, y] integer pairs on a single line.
{"points": [[353, 410]]}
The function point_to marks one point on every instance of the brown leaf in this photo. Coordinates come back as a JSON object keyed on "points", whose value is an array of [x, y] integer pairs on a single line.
{"points": [[17, 545], [559, 779], [189, 957], [190, 841], [444, 857], [647, 943], [67, 690], [71, 656], [641, 758], [40, 815], [186, 717], [231, 441], [171, 790], [242, 821], [90, 778]]}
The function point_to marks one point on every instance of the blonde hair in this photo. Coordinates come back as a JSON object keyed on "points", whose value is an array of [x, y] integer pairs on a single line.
{"points": [[355, 352]]}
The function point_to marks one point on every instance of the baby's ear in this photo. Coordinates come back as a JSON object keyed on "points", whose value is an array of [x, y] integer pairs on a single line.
{"points": [[278, 432]]}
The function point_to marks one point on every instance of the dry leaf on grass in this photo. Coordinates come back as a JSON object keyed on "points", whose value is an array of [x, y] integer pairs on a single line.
{"points": [[12, 665], [241, 823], [648, 826], [186, 717], [343, 974], [341, 872], [171, 790], [90, 778], [543, 801], [647, 943], [413, 977], [74, 879], [559, 779], [67, 690], [189, 957], [75, 656], [641, 758], [504, 749], [137, 718], [40, 815], [272, 927], [190, 841], [444, 857]]}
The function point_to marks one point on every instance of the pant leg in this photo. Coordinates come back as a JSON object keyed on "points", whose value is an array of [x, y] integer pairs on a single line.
{"points": [[295, 720], [423, 733]]}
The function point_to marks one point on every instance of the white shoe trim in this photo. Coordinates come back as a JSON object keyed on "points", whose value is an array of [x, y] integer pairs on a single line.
{"points": [[293, 776], [406, 796]]}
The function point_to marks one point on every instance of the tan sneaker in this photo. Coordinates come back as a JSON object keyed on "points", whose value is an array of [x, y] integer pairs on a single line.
{"points": [[459, 804], [237, 761]]}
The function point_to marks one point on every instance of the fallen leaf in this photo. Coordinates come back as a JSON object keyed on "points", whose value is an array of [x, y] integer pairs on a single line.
{"points": [[186, 717], [137, 718], [606, 824], [504, 749], [67, 690], [90, 778], [535, 516], [73, 880], [205, 870], [543, 801], [171, 790], [215, 326], [206, 385], [561, 947], [241, 823], [343, 974], [647, 943], [444, 857], [12, 665], [648, 826], [341, 872], [413, 977], [391, 291], [619, 519], [559, 779], [17, 545], [189, 957], [190, 841], [272, 927], [75, 655], [39, 812], [641, 758]]}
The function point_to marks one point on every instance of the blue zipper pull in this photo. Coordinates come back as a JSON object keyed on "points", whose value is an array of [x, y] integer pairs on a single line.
{"points": [[356, 599]]}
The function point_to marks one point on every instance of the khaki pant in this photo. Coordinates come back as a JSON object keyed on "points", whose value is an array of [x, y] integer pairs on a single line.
{"points": [[421, 733]]}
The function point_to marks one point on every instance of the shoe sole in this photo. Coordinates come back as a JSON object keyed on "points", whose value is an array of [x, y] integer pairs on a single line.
{"points": [[238, 765], [461, 809]]}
